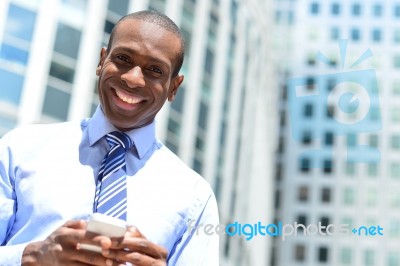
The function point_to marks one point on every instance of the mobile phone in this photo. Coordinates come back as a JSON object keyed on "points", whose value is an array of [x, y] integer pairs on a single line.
{"points": [[104, 225]]}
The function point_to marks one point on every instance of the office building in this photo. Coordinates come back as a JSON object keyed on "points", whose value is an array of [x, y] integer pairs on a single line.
{"points": [[338, 160]]}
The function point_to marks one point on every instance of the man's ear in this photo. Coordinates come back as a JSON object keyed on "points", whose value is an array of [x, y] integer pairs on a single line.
{"points": [[103, 54], [173, 88]]}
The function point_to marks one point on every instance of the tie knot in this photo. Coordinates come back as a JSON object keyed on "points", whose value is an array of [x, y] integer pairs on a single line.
{"points": [[119, 138]]}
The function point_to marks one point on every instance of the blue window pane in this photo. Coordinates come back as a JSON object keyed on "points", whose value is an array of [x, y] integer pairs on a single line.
{"points": [[335, 9], [119, 7], [56, 103], [11, 86], [356, 9], [67, 40], [397, 11], [314, 8], [62, 72], [377, 10], [20, 23], [77, 4], [355, 34], [13, 54], [376, 35]]}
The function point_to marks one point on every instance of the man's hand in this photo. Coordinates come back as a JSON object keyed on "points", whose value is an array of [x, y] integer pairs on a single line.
{"points": [[60, 248], [136, 249]]}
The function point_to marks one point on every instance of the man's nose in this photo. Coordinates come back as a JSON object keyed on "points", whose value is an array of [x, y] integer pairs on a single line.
{"points": [[134, 77]]}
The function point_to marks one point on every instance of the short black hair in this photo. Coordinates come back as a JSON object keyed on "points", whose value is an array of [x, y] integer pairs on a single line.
{"points": [[161, 20]]}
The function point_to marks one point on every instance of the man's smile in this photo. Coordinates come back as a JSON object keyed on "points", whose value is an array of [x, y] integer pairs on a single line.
{"points": [[127, 98]]}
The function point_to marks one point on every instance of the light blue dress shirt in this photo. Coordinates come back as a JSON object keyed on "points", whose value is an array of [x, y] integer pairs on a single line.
{"points": [[48, 175]]}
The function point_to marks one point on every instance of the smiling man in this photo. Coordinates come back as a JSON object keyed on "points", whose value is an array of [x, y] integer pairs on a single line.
{"points": [[52, 177]]}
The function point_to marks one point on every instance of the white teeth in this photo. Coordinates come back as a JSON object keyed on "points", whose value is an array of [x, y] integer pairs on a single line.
{"points": [[127, 99]]}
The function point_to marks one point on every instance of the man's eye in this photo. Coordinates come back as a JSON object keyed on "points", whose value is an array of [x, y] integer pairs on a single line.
{"points": [[122, 58], [156, 70]]}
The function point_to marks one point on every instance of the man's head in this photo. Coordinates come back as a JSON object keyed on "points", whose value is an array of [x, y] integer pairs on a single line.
{"points": [[139, 70], [161, 20]]}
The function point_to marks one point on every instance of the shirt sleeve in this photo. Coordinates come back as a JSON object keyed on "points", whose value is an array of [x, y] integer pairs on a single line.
{"points": [[9, 255], [200, 243]]}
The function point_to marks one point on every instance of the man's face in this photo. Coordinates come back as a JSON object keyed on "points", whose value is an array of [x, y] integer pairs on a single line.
{"points": [[135, 76]]}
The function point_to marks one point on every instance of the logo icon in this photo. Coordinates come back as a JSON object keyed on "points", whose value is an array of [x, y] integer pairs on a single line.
{"points": [[336, 104]]}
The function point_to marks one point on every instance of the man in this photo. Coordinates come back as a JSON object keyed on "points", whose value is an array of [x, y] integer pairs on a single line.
{"points": [[52, 176]]}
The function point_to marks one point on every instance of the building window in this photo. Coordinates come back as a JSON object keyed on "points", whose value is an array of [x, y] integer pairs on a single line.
{"points": [[308, 110], [348, 196], [203, 115], [314, 8], [394, 170], [306, 137], [18, 33], [20, 23], [393, 258], [303, 193], [396, 36], [376, 35], [350, 168], [305, 165], [67, 41], [300, 253], [348, 220], [330, 111], [323, 254], [311, 61], [373, 140], [302, 219], [119, 7], [377, 10], [310, 82], [62, 72], [394, 228], [209, 61], [346, 256], [355, 34], [326, 195], [372, 169], [324, 223], [13, 54], [328, 166], [351, 140], [277, 199], [197, 166], [335, 9], [397, 11], [396, 61], [335, 33], [374, 113], [395, 114], [328, 139], [56, 103], [369, 257], [356, 9], [396, 87], [12, 92], [395, 199], [395, 142]]}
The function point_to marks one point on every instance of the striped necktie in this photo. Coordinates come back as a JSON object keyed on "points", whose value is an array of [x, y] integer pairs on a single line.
{"points": [[111, 196]]}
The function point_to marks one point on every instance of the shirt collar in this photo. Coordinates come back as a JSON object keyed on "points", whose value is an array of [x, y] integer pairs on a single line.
{"points": [[99, 126]]}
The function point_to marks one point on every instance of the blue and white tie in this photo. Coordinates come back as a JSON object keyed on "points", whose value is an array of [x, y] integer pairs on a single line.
{"points": [[111, 196]]}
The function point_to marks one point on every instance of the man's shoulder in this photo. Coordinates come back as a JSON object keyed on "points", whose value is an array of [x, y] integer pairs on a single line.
{"points": [[173, 168], [41, 132]]}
